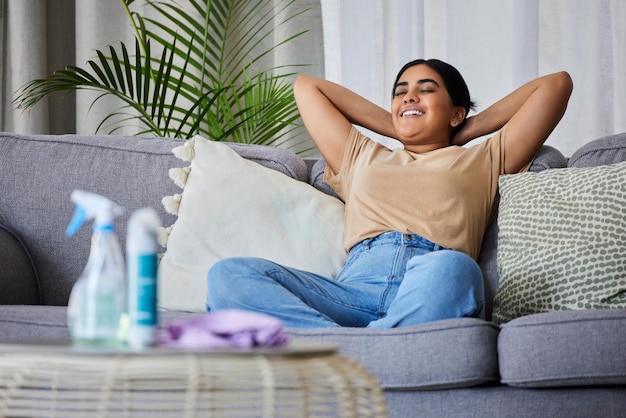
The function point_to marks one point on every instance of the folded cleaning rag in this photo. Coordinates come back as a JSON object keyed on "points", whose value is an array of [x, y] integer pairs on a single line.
{"points": [[225, 329]]}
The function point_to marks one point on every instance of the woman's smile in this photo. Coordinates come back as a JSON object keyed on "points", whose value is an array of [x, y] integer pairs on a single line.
{"points": [[411, 112]]}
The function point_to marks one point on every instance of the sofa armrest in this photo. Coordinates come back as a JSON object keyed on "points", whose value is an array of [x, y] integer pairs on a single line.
{"points": [[18, 278]]}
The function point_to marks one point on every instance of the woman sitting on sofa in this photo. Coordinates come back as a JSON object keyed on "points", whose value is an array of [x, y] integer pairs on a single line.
{"points": [[415, 217]]}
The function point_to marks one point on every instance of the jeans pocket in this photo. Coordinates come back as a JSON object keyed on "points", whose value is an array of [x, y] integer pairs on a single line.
{"points": [[353, 257]]}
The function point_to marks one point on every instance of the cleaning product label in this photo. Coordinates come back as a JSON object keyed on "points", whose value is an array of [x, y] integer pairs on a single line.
{"points": [[145, 272]]}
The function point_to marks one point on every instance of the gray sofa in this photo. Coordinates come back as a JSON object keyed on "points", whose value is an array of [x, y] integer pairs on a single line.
{"points": [[560, 364]]}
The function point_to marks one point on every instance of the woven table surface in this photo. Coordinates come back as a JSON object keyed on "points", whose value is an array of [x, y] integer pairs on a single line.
{"points": [[302, 380]]}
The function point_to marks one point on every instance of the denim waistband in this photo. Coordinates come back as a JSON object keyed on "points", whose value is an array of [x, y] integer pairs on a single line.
{"points": [[398, 238]]}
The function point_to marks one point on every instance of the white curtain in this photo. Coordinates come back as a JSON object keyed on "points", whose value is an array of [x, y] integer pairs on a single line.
{"points": [[496, 44], [41, 36], [36, 37]]}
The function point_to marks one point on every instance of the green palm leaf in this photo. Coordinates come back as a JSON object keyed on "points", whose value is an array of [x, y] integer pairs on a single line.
{"points": [[192, 71]]}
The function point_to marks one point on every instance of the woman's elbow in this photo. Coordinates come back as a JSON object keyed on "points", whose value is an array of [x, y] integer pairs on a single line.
{"points": [[565, 84], [301, 84]]}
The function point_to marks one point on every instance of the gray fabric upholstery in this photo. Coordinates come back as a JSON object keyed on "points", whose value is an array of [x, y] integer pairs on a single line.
{"points": [[488, 262], [45, 169], [573, 348], [437, 355], [27, 322], [548, 157], [607, 150], [316, 178], [507, 402], [18, 279]]}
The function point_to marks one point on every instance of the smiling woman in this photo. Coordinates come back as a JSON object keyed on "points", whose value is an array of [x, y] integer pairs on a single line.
{"points": [[421, 95], [452, 82], [415, 217]]}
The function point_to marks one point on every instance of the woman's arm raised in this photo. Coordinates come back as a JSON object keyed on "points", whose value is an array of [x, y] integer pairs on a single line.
{"points": [[530, 113], [328, 110]]}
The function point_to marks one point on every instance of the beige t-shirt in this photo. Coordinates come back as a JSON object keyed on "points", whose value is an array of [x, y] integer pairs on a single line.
{"points": [[447, 196]]}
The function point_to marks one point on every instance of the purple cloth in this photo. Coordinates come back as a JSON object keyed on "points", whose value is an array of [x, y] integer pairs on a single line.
{"points": [[225, 329]]}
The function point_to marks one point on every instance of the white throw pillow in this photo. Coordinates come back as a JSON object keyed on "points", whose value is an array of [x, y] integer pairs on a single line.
{"points": [[231, 207]]}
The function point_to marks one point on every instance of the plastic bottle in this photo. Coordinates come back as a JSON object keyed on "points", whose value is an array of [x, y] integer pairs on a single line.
{"points": [[98, 300], [142, 264]]}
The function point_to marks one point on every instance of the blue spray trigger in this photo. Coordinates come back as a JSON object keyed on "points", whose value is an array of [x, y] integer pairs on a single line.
{"points": [[77, 221]]}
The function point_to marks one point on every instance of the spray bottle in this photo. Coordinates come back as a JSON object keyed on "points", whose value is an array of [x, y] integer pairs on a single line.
{"points": [[98, 300], [142, 263]]}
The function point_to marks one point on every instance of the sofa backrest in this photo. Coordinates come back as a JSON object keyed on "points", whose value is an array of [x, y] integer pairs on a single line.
{"points": [[610, 149], [38, 173]]}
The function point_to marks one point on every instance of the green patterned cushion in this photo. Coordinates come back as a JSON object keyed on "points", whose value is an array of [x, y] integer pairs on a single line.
{"points": [[562, 241]]}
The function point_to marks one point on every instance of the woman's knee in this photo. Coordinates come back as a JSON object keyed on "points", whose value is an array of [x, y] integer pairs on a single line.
{"points": [[222, 270], [464, 279], [452, 264], [229, 278], [452, 270]]}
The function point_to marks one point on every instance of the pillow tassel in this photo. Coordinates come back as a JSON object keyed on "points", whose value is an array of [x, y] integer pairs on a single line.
{"points": [[172, 203], [163, 235], [186, 151], [179, 175]]}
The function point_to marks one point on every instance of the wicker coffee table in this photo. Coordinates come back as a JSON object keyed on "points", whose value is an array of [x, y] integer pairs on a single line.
{"points": [[303, 380]]}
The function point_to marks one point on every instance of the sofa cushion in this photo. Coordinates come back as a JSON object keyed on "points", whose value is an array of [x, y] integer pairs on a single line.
{"points": [[607, 150], [452, 353], [233, 207], [437, 355], [316, 178], [18, 278], [30, 322], [561, 241], [547, 157], [574, 348]]}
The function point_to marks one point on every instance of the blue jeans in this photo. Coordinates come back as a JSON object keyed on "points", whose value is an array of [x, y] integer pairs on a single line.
{"points": [[391, 280]]}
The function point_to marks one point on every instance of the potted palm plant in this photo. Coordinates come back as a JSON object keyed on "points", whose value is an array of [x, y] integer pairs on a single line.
{"points": [[190, 71]]}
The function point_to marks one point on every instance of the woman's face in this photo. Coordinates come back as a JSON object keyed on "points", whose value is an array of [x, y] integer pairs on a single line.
{"points": [[422, 111]]}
